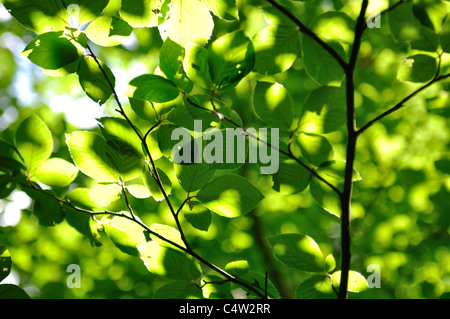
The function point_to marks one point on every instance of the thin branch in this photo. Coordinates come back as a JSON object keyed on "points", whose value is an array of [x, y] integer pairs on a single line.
{"points": [[346, 195], [305, 30], [401, 103], [154, 172], [247, 133]]}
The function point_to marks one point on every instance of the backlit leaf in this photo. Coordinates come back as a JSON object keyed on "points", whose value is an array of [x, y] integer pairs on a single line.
{"points": [[230, 196]]}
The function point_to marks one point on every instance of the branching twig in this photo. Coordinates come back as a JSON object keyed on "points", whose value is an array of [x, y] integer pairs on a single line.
{"points": [[288, 154], [154, 172], [305, 30], [401, 103]]}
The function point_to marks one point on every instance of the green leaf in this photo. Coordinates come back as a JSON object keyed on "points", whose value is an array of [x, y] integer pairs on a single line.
{"points": [[273, 104], [143, 13], [34, 142], [334, 26], [316, 149], [356, 281], [153, 186], [179, 290], [224, 9], [46, 208], [187, 21], [230, 58], [86, 10], [417, 68], [230, 196], [126, 234], [9, 291], [56, 172], [104, 194], [405, 26], [81, 222], [168, 262], [51, 50], [39, 15], [320, 65], [108, 31], [196, 65], [324, 110], [88, 151], [325, 196], [9, 158], [93, 80], [276, 48], [291, 177], [171, 63], [237, 268], [6, 186], [167, 232], [5, 262], [192, 177], [298, 251], [315, 287], [430, 13], [153, 88], [138, 191], [119, 128], [197, 215], [128, 162]]}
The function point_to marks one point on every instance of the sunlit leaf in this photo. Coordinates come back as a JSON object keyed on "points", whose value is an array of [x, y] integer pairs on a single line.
{"points": [[315, 287], [167, 232], [94, 82], [291, 177], [192, 177], [197, 215], [154, 188], [324, 110], [196, 65], [237, 268], [298, 251], [316, 149], [108, 31], [230, 58], [320, 64], [276, 48], [51, 50], [230, 196], [56, 172], [126, 234], [168, 262], [88, 150], [143, 13], [153, 88], [356, 281], [39, 15], [171, 63], [34, 142], [273, 104], [418, 68], [5, 262], [225, 9], [187, 21], [85, 10]]}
